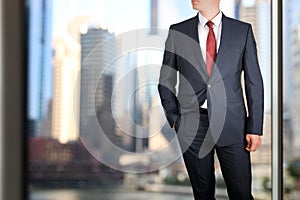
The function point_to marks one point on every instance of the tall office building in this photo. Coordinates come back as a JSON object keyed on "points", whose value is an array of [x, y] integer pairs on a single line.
{"points": [[157, 139], [40, 56], [40, 64], [125, 109], [98, 51], [66, 82], [98, 71], [66, 68], [258, 14], [248, 14]]}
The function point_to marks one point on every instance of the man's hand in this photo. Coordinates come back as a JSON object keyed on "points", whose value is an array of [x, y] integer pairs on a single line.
{"points": [[253, 142]]}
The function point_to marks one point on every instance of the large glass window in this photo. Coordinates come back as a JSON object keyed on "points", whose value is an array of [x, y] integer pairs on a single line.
{"points": [[291, 92], [94, 115], [258, 14]]}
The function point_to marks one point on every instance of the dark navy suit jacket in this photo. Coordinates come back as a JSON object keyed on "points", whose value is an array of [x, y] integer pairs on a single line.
{"points": [[236, 58]]}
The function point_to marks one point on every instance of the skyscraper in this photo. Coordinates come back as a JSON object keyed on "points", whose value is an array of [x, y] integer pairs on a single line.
{"points": [[40, 57], [40, 63], [257, 13], [66, 68], [66, 82], [98, 54]]}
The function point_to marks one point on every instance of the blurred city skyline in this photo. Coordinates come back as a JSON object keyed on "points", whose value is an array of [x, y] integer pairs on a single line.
{"points": [[60, 102], [61, 36], [56, 18], [86, 82]]}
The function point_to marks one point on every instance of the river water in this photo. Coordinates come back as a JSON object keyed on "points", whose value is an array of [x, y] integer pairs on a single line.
{"points": [[103, 194]]}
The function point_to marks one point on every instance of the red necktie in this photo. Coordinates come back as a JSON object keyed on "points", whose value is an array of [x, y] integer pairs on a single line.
{"points": [[210, 48]]}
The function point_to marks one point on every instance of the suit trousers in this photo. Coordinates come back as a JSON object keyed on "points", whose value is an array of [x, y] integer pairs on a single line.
{"points": [[234, 161]]}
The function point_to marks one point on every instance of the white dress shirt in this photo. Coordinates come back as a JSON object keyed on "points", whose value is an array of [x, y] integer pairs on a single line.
{"points": [[203, 30]]}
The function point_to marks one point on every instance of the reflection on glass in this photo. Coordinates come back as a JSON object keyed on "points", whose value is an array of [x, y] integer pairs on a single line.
{"points": [[291, 106], [94, 115]]}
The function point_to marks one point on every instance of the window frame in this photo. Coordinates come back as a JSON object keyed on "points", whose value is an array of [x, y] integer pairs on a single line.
{"points": [[13, 99], [277, 98]]}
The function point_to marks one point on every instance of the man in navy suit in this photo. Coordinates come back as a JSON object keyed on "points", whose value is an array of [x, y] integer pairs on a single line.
{"points": [[208, 55]]}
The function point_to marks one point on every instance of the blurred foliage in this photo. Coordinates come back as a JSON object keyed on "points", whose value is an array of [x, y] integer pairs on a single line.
{"points": [[267, 185], [294, 168], [171, 180]]}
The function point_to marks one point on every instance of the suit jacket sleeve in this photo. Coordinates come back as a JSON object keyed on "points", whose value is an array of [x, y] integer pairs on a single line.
{"points": [[168, 80], [253, 86]]}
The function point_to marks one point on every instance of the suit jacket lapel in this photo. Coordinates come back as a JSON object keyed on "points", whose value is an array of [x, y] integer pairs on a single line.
{"points": [[225, 36], [193, 32]]}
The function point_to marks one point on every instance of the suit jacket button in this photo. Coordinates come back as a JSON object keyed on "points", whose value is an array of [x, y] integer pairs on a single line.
{"points": [[209, 85]]}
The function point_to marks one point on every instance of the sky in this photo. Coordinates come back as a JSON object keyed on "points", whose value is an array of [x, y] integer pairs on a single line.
{"points": [[120, 16], [117, 16]]}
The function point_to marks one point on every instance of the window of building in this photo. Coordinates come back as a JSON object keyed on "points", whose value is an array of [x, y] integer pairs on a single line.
{"points": [[89, 68]]}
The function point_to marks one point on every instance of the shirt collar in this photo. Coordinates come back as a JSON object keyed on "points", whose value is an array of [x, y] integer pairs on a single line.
{"points": [[216, 20]]}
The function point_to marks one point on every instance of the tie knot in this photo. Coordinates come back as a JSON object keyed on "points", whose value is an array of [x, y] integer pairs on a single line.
{"points": [[210, 24]]}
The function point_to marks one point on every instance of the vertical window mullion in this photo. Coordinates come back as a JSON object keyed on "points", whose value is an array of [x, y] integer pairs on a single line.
{"points": [[277, 100]]}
